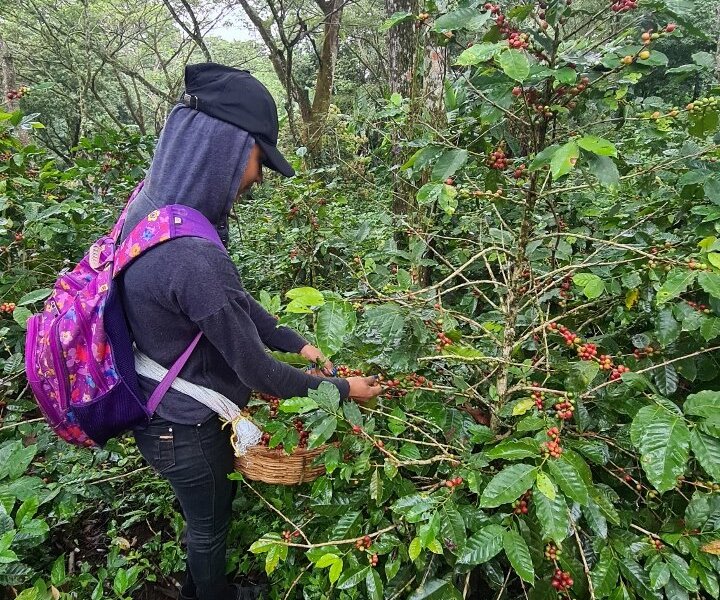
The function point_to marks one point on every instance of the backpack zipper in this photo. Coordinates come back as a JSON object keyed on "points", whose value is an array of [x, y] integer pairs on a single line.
{"points": [[60, 368], [87, 331]]}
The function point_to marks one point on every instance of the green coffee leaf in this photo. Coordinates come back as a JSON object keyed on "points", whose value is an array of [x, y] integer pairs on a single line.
{"points": [[508, 485], [663, 440], [483, 545], [518, 554]]}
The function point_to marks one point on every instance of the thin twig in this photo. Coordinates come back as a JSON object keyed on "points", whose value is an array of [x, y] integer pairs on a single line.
{"points": [[13, 425], [121, 476], [294, 583], [286, 519], [335, 542], [502, 589], [591, 589], [403, 588], [651, 368]]}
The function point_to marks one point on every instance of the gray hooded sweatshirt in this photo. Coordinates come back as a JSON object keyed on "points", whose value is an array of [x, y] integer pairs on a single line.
{"points": [[188, 284]]}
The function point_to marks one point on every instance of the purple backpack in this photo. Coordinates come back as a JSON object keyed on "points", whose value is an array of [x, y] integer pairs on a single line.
{"points": [[78, 351]]}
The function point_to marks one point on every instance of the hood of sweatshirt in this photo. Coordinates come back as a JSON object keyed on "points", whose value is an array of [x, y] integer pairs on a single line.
{"points": [[198, 162]]}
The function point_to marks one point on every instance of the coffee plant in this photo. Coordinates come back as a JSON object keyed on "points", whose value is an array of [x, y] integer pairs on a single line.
{"points": [[544, 317]]}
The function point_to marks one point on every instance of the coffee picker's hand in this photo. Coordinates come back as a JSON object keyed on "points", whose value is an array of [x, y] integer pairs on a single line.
{"points": [[314, 355], [364, 388]]}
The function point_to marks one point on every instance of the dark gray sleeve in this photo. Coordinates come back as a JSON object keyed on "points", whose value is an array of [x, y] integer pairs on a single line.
{"points": [[274, 337], [233, 333], [220, 306]]}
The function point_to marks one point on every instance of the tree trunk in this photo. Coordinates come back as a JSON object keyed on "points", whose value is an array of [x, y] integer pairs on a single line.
{"points": [[434, 84], [326, 74], [434, 110], [401, 48], [281, 47], [401, 52], [8, 84]]}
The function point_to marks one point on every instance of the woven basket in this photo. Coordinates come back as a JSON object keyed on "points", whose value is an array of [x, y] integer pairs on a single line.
{"points": [[272, 465]]}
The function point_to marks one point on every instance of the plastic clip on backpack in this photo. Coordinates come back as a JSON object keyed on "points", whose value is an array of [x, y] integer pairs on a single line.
{"points": [[78, 351]]}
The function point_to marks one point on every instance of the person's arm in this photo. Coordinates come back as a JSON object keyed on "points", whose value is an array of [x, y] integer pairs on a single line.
{"points": [[284, 338], [219, 306], [273, 336], [231, 330]]}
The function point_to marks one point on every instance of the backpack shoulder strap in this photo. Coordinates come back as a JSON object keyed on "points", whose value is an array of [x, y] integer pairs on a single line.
{"points": [[162, 388], [161, 225]]}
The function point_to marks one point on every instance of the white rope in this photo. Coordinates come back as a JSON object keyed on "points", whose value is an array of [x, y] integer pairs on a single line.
{"points": [[246, 433]]}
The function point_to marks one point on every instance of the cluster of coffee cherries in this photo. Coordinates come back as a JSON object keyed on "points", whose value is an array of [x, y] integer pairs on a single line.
{"points": [[656, 543], [643, 352], [345, 371], [399, 386], [544, 110], [565, 409], [693, 265], [393, 386], [5, 156], [294, 253], [265, 439], [539, 398], [703, 104], [623, 5], [453, 483], [302, 433], [518, 40], [519, 172], [525, 276], [442, 341], [552, 552], [553, 448], [699, 307], [565, 286], [498, 160], [530, 95], [587, 351], [562, 580], [292, 213], [618, 371], [363, 543], [18, 93], [605, 361], [649, 36], [571, 338], [7, 307], [373, 560], [273, 401], [574, 90], [520, 506], [288, 536]]}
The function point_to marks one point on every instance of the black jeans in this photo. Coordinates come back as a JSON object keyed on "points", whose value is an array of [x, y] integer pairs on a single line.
{"points": [[196, 460]]}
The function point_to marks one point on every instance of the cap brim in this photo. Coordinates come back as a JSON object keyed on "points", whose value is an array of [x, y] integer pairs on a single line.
{"points": [[274, 160]]}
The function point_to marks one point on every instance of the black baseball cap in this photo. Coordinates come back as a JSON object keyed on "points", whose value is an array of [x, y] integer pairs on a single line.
{"points": [[235, 96]]}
